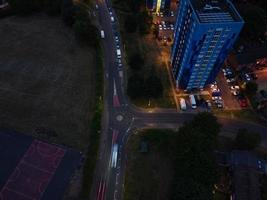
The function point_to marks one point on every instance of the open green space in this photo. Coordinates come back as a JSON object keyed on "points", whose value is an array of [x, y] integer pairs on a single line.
{"points": [[47, 80]]}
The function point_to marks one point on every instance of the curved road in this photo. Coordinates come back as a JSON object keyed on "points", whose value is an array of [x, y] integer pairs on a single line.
{"points": [[121, 118]]}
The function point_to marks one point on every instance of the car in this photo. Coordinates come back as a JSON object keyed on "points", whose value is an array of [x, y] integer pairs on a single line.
{"points": [[254, 76], [242, 101], [172, 14], [235, 92], [162, 22], [215, 89], [219, 105], [216, 93], [248, 77], [234, 87], [161, 14], [259, 67], [230, 80], [117, 39], [214, 98], [119, 61], [160, 28], [208, 103], [213, 86]]}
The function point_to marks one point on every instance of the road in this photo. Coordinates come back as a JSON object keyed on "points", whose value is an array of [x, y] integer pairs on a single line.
{"points": [[121, 118]]}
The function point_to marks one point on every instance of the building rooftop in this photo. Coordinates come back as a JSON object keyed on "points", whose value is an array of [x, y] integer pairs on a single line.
{"points": [[215, 11]]}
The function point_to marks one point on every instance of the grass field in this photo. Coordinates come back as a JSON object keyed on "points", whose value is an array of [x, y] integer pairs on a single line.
{"points": [[46, 80], [153, 168]]}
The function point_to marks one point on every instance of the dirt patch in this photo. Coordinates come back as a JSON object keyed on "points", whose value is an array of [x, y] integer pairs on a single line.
{"points": [[46, 80]]}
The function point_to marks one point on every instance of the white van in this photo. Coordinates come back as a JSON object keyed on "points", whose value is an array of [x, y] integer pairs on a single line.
{"points": [[112, 19], [182, 104], [118, 53], [193, 101], [102, 33]]}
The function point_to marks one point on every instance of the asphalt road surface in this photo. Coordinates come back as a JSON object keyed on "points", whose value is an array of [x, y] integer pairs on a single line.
{"points": [[121, 118]]}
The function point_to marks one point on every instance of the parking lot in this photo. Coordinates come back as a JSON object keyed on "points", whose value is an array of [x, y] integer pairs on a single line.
{"points": [[165, 23], [230, 102]]}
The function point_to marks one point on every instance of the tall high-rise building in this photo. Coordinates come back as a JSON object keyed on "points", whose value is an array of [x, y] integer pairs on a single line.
{"points": [[205, 32], [158, 5]]}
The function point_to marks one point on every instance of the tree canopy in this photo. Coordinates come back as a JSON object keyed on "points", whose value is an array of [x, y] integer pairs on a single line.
{"points": [[195, 166], [251, 88], [130, 24], [255, 21], [246, 140], [84, 29], [153, 87], [135, 86], [136, 61]]}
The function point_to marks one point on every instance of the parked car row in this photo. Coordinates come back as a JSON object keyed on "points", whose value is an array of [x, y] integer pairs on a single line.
{"points": [[247, 75], [234, 87], [229, 75], [165, 14], [216, 95], [117, 40], [166, 26], [194, 101]]}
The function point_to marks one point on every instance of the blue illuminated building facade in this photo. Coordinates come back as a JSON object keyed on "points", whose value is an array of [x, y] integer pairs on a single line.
{"points": [[158, 5], [205, 32]]}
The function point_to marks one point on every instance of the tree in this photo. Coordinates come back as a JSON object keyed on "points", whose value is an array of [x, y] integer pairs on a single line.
{"points": [[135, 86], [24, 7], [153, 87], [195, 166], [145, 22], [135, 5], [68, 12], [156, 31], [247, 140], [130, 24], [136, 61], [84, 30], [52, 7], [255, 21], [251, 88]]}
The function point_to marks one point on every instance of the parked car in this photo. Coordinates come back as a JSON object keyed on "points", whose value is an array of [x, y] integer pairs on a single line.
{"points": [[234, 87], [230, 80], [208, 103], [182, 104], [192, 101], [214, 98], [219, 103], [254, 76], [242, 101]]}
